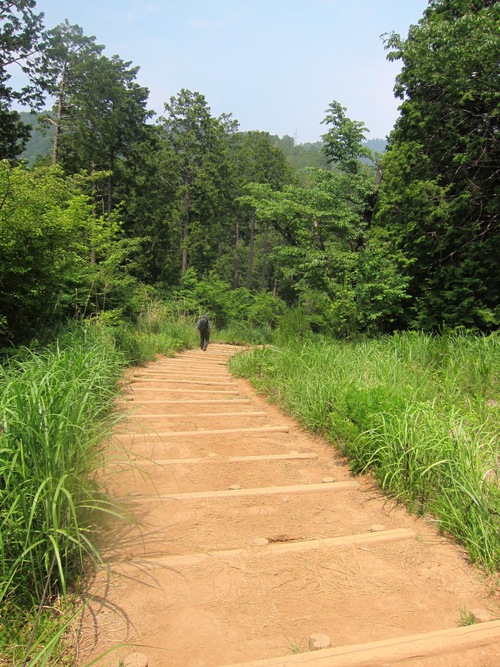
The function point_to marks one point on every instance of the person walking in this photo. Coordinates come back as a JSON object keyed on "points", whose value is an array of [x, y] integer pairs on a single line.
{"points": [[203, 329]]}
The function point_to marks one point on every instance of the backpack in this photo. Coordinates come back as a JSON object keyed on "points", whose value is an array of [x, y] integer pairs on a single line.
{"points": [[203, 325]]}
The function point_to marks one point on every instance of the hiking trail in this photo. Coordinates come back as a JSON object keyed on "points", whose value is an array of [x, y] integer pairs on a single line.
{"points": [[255, 546]]}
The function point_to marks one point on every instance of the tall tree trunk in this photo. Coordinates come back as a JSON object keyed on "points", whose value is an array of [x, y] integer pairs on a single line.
{"points": [[185, 234], [236, 275], [263, 273], [251, 251], [58, 120], [110, 182]]}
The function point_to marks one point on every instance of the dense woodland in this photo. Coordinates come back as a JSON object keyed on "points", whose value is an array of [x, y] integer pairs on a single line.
{"points": [[126, 204]]}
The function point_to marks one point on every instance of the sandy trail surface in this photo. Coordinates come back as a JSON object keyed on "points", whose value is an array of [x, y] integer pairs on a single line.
{"points": [[252, 544]]}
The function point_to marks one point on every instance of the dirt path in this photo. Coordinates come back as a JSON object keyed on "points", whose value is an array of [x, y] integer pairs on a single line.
{"points": [[255, 545]]}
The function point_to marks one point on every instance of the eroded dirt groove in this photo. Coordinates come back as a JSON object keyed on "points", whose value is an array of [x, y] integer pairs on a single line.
{"points": [[253, 544]]}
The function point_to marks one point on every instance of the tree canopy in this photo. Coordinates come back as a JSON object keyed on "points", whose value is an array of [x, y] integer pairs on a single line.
{"points": [[439, 197], [187, 205], [20, 33]]}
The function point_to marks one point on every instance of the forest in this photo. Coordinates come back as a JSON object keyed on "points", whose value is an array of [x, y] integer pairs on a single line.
{"points": [[368, 271], [127, 204]]}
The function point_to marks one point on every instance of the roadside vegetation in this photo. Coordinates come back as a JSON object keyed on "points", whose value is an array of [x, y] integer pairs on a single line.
{"points": [[422, 412], [57, 408], [419, 411]]}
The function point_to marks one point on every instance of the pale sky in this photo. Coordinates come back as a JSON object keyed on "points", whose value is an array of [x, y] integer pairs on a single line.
{"points": [[275, 65]]}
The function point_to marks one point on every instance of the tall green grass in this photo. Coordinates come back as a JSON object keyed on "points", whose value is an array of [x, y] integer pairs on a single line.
{"points": [[159, 330], [56, 407], [421, 412], [243, 333]]}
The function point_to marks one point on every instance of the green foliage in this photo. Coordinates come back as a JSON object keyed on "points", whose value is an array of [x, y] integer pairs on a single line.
{"points": [[303, 156], [346, 277], [51, 641], [65, 54], [259, 161], [420, 411], [160, 329], [223, 305], [20, 30], [293, 326], [439, 197], [104, 119], [38, 147], [57, 258], [195, 147], [244, 333], [265, 309], [55, 408], [344, 141]]}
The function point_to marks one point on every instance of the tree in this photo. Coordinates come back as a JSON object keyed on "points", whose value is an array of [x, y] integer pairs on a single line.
{"points": [[106, 117], [344, 285], [344, 140], [48, 232], [199, 178], [325, 253], [20, 30], [64, 50], [257, 160], [149, 199], [439, 196]]}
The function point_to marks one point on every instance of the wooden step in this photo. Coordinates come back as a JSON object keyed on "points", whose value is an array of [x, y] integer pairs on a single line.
{"points": [[272, 549], [216, 459], [164, 475], [163, 415], [184, 391], [204, 383], [205, 432], [188, 401], [264, 491], [167, 374], [391, 651]]}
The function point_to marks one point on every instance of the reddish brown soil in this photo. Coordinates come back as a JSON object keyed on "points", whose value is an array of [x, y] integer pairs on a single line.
{"points": [[193, 583]]}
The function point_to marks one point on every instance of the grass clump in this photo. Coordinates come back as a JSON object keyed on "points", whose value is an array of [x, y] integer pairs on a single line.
{"points": [[56, 406], [159, 329], [421, 412]]}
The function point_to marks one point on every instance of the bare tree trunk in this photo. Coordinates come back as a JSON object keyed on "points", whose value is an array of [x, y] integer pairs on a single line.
{"points": [[251, 252], [185, 234], [263, 273], [58, 120], [236, 275]]}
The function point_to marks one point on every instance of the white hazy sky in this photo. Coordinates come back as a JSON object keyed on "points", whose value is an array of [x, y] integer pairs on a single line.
{"points": [[275, 65]]}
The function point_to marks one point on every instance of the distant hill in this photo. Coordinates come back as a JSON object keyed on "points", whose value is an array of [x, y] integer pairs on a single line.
{"points": [[311, 154], [299, 155], [376, 145], [39, 144], [302, 155]]}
